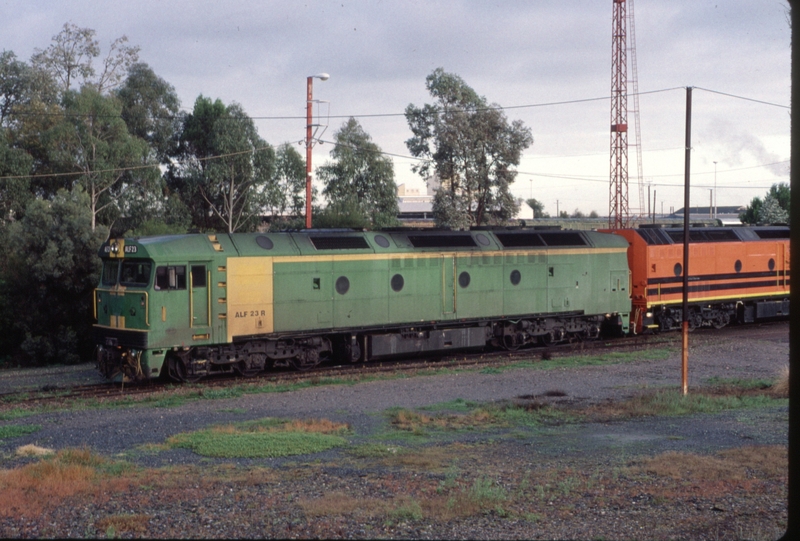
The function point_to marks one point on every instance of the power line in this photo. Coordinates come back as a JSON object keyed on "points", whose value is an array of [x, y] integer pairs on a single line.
{"points": [[744, 98], [380, 115]]}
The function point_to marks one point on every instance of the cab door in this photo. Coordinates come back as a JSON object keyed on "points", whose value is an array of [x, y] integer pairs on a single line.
{"points": [[199, 301]]}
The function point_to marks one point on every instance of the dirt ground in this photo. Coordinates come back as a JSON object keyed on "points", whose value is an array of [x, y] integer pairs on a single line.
{"points": [[712, 475]]}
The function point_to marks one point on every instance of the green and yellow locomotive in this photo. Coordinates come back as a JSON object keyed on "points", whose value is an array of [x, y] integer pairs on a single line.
{"points": [[187, 306]]}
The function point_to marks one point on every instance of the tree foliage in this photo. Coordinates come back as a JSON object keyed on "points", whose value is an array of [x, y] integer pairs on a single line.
{"points": [[359, 177], [227, 167], [93, 141], [48, 272], [150, 109], [70, 59], [774, 208], [538, 208], [471, 148], [286, 193]]}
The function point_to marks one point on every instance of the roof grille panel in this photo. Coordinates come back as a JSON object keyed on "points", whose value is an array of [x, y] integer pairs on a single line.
{"points": [[441, 241], [563, 238], [339, 243], [772, 233], [519, 240]]}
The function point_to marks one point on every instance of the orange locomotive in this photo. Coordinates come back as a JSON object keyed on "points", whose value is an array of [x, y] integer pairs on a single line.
{"points": [[736, 274]]}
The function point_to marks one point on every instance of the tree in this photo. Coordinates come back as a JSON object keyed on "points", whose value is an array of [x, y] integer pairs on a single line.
{"points": [[69, 59], [93, 141], [538, 208], [578, 214], [286, 193], [360, 177], [15, 192], [771, 212], [150, 109], [227, 167], [48, 270], [28, 107], [780, 199], [471, 147]]}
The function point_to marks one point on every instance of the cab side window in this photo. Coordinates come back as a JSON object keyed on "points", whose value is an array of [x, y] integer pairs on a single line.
{"points": [[171, 277]]}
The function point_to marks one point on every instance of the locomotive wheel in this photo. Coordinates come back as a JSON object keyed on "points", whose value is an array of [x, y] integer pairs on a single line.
{"points": [[252, 366], [177, 371], [510, 342], [721, 320], [307, 360]]}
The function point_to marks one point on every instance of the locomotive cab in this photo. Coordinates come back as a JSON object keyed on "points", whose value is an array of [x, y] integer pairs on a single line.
{"points": [[145, 301]]}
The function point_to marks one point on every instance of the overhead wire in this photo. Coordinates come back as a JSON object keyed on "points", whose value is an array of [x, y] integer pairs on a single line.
{"points": [[406, 157]]}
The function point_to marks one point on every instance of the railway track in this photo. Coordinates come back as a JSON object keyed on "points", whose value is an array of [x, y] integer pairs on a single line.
{"points": [[51, 396]]}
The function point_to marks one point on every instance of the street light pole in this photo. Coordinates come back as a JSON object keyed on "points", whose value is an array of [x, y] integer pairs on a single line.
{"points": [[715, 190], [309, 142]]}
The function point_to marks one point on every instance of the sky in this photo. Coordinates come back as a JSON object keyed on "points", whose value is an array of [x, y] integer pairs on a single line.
{"points": [[547, 61]]}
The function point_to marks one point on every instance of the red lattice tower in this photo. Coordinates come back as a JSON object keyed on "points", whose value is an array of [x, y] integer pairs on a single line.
{"points": [[618, 211]]}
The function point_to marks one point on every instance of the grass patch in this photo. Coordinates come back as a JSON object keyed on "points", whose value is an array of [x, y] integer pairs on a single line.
{"points": [[263, 438], [674, 403], [739, 383], [476, 416], [457, 405], [575, 361], [730, 465], [14, 431]]}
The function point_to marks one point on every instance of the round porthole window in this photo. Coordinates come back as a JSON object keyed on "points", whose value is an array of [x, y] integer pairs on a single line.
{"points": [[771, 264], [678, 269], [381, 241], [264, 242], [463, 279], [738, 266], [342, 285], [483, 240], [515, 277], [397, 282]]}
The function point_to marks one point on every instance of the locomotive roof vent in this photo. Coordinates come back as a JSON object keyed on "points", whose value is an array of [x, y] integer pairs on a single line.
{"points": [[338, 243], [542, 238], [455, 240]]}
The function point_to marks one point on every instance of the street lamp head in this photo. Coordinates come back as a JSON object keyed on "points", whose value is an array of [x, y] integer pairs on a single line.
{"points": [[322, 76]]}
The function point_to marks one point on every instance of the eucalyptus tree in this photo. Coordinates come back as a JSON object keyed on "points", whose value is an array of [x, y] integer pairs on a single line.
{"points": [[471, 147], [225, 167], [70, 59], [28, 107], [92, 147], [285, 194], [151, 109], [360, 177]]}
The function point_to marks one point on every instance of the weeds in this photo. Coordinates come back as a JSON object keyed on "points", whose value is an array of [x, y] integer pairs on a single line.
{"points": [[14, 431], [29, 490], [264, 438]]}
